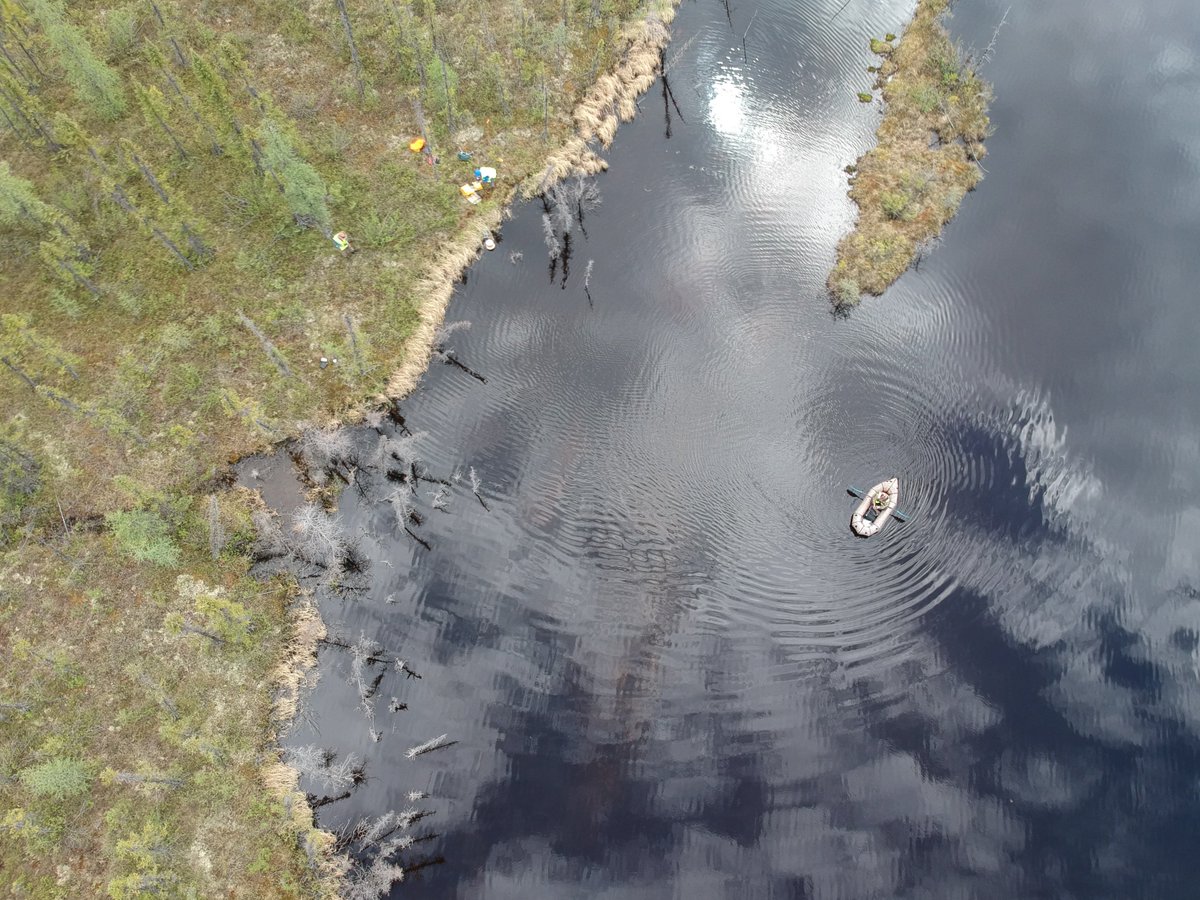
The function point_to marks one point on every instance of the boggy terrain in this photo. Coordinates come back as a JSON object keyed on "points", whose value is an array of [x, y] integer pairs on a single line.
{"points": [[173, 178], [926, 156]]}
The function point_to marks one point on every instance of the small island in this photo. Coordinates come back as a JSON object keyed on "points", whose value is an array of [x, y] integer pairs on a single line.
{"points": [[925, 160]]}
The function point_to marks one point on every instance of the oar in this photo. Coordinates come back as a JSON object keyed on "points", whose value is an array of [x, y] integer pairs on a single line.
{"points": [[896, 514]]}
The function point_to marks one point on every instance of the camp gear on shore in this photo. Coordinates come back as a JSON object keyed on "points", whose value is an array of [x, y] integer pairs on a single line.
{"points": [[489, 242], [470, 191], [417, 145], [877, 506], [486, 174]]}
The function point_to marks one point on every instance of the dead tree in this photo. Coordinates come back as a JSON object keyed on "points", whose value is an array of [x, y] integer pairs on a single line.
{"points": [[216, 531], [270, 349], [447, 356], [354, 57], [317, 537]]}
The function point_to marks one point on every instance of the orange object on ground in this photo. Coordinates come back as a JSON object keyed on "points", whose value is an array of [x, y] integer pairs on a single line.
{"points": [[417, 145]]}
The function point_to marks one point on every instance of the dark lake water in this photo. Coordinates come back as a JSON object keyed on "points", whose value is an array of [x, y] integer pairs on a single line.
{"points": [[669, 667]]}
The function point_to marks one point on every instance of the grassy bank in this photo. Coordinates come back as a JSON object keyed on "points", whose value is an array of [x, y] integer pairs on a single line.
{"points": [[172, 175], [925, 159], [136, 714]]}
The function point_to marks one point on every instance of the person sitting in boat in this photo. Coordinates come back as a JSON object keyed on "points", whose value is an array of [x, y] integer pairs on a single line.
{"points": [[881, 500]]}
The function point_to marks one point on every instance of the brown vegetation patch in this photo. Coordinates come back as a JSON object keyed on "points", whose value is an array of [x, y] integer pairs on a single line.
{"points": [[925, 159]]}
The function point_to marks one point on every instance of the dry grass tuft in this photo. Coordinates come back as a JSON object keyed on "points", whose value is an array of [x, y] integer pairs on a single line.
{"points": [[435, 289], [634, 73], [299, 656]]}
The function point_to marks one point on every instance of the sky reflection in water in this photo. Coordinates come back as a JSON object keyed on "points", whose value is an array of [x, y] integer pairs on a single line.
{"points": [[669, 667]]}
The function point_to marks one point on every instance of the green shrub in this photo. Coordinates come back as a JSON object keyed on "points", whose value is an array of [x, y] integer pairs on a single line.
{"points": [[846, 292], [375, 230], [20, 478], [66, 303], [952, 198], [228, 619], [925, 97], [58, 778], [882, 250], [146, 856], [945, 67], [124, 25], [144, 536], [894, 204]]}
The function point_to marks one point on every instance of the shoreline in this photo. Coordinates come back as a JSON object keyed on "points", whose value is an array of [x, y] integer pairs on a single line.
{"points": [[610, 101], [925, 159], [156, 675]]}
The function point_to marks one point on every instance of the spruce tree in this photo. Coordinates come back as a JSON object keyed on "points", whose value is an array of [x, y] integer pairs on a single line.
{"points": [[172, 214], [19, 203], [14, 22], [97, 85], [302, 185], [64, 260], [112, 188], [62, 247], [154, 107], [198, 129], [24, 112], [133, 155], [218, 108]]}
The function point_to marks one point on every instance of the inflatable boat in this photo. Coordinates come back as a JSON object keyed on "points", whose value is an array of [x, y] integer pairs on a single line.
{"points": [[878, 505]]}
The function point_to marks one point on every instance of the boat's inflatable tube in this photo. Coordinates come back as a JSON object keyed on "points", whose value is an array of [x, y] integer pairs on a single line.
{"points": [[864, 527]]}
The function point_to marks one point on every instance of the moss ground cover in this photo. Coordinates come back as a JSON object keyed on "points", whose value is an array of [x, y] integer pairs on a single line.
{"points": [[925, 160], [135, 707]]}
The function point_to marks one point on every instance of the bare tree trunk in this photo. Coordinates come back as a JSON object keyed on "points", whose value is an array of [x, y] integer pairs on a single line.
{"points": [[29, 56], [171, 246], [180, 59], [31, 119], [449, 106], [150, 179], [195, 242], [79, 279], [354, 57], [122, 201], [214, 144], [20, 374], [17, 70], [419, 114], [179, 148], [17, 131], [545, 109], [272, 352], [354, 347]]}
